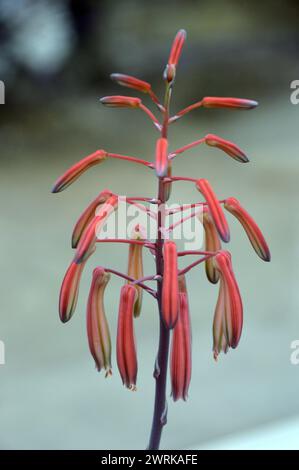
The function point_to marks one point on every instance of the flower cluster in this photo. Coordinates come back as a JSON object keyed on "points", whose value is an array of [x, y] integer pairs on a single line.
{"points": [[169, 277]]}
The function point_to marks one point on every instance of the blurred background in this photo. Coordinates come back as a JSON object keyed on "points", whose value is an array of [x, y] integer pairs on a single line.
{"points": [[55, 61]]}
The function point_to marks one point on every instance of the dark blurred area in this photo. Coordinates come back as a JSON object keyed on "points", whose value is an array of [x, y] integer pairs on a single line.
{"points": [[52, 48]]}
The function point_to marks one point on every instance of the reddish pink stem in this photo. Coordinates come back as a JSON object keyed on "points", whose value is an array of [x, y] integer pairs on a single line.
{"points": [[126, 240], [154, 277], [142, 208], [156, 100], [130, 159], [187, 147], [151, 116], [131, 279], [181, 221], [185, 111], [192, 265], [179, 178], [185, 207], [196, 252]]}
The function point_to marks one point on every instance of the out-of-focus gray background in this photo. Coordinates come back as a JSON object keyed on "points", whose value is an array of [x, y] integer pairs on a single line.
{"points": [[55, 59]]}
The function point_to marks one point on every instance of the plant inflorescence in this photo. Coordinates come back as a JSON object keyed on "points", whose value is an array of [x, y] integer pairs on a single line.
{"points": [[169, 279]]}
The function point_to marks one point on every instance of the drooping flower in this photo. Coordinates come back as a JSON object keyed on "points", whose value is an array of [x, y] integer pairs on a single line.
{"points": [[228, 317], [216, 211], [131, 82], [180, 356], [161, 163], [87, 216], [212, 243], [88, 239], [96, 322], [170, 287], [126, 348], [76, 170], [135, 265], [252, 230], [69, 290], [226, 146], [118, 101], [233, 103]]}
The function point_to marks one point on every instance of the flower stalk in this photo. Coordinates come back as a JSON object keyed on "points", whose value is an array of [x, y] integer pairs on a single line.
{"points": [[169, 290]]}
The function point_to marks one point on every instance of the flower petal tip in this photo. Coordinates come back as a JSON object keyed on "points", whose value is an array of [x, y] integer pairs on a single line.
{"points": [[226, 146]]}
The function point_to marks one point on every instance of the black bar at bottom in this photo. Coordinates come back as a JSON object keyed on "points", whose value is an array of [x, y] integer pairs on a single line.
{"points": [[134, 459]]}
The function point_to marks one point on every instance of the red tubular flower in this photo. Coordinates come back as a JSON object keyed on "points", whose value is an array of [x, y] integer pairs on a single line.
{"points": [[176, 48], [126, 348], [228, 147], [212, 243], [228, 318], [161, 163], [215, 208], [180, 356], [76, 170], [252, 230], [118, 101], [96, 322], [170, 285], [69, 291], [135, 266], [233, 103], [131, 82], [87, 241], [87, 216], [175, 53]]}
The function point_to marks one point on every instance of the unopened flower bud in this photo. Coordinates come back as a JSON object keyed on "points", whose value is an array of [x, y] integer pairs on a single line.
{"points": [[126, 348], [180, 356], [76, 170], [131, 82], [170, 285], [251, 228], [233, 103], [228, 317], [121, 101], [97, 326], [226, 146], [216, 211]]}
